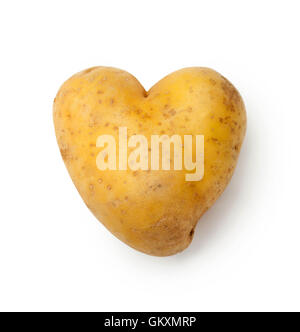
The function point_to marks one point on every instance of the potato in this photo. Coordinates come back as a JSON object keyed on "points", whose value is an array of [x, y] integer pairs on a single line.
{"points": [[153, 211]]}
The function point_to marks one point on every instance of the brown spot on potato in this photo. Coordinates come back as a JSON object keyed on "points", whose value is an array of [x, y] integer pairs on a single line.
{"points": [[65, 153], [146, 116], [172, 112], [192, 232]]}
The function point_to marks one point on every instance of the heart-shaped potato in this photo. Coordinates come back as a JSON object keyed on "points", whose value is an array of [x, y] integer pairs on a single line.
{"points": [[152, 210]]}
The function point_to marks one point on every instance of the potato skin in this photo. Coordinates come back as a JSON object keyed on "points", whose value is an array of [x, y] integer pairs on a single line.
{"points": [[154, 212]]}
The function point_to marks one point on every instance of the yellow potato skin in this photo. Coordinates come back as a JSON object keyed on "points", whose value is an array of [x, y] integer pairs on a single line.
{"points": [[154, 212]]}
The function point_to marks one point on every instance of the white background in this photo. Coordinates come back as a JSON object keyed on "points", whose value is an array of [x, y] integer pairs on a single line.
{"points": [[54, 255]]}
